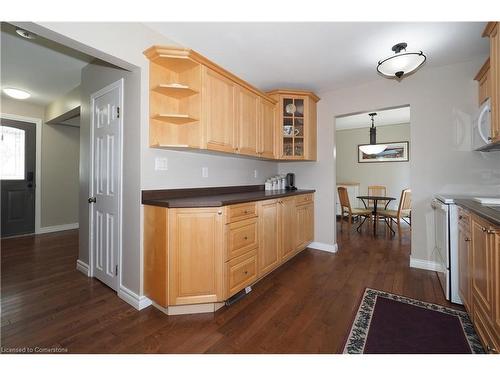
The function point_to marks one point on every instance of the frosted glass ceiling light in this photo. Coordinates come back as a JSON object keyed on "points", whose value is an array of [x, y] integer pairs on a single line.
{"points": [[373, 148], [400, 64], [16, 93]]}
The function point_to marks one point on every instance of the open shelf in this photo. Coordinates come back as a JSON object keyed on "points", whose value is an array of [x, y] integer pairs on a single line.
{"points": [[175, 90], [176, 63], [174, 118]]}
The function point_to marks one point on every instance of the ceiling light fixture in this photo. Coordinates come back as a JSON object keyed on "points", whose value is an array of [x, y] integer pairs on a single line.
{"points": [[16, 93], [373, 148], [400, 64], [25, 33]]}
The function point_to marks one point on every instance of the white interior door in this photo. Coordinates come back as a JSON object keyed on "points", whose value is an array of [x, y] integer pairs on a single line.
{"points": [[105, 189]]}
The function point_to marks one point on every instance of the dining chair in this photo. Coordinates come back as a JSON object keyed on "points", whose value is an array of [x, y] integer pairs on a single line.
{"points": [[378, 190], [345, 208], [402, 213]]}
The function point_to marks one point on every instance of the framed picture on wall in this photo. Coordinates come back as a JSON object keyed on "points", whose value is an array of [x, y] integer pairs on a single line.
{"points": [[395, 152]]}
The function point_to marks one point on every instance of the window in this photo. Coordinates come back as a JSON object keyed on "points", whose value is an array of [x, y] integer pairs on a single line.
{"points": [[11, 153]]}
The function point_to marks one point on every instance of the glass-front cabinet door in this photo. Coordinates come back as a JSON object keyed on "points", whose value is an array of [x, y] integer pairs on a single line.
{"points": [[296, 124]]}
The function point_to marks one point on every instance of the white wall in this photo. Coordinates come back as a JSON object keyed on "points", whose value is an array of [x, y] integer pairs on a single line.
{"points": [[442, 102], [184, 169], [394, 176]]}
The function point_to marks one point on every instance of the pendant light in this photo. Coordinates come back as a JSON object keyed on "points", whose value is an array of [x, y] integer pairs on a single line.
{"points": [[373, 148], [400, 64]]}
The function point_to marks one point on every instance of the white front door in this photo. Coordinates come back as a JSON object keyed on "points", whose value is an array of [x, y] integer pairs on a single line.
{"points": [[105, 189]]}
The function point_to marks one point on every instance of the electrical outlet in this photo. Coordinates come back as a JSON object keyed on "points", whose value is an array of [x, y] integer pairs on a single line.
{"points": [[204, 172], [161, 164], [255, 173]]}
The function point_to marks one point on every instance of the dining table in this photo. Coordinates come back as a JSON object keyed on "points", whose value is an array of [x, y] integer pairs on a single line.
{"points": [[375, 199]]}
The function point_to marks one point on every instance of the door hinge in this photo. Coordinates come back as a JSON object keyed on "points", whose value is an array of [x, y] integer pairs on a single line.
{"points": [[117, 112], [116, 270]]}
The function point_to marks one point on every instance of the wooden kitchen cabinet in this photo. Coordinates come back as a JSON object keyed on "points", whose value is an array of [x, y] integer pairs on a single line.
{"points": [[219, 111], [295, 124], [491, 31], [479, 276], [304, 224], [195, 255], [482, 265], [464, 258], [287, 219], [483, 79], [269, 245], [267, 130], [247, 110], [196, 104]]}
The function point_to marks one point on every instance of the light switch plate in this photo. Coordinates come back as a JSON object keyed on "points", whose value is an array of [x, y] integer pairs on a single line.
{"points": [[255, 173], [204, 172], [161, 164]]}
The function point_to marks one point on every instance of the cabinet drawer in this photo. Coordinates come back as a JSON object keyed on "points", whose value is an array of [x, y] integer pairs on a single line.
{"points": [[241, 272], [484, 330], [304, 198], [242, 211], [242, 236]]}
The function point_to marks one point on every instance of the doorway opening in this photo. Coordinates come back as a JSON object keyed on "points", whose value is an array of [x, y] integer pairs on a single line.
{"points": [[373, 192]]}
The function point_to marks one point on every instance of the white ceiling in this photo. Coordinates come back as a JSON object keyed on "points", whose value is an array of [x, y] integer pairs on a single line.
{"points": [[45, 69], [383, 118], [322, 55]]}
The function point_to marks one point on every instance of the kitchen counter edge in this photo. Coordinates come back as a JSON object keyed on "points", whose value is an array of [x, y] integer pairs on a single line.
{"points": [[485, 212]]}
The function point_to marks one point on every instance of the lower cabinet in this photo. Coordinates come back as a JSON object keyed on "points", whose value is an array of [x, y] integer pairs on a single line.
{"points": [[197, 256], [479, 276], [269, 244]]}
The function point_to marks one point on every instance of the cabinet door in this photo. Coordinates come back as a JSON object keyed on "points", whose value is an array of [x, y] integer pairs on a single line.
{"points": [[248, 119], [218, 111], [304, 225], [287, 227], [267, 126], [495, 243], [484, 87], [464, 265], [195, 255], [269, 245], [495, 83], [482, 263]]}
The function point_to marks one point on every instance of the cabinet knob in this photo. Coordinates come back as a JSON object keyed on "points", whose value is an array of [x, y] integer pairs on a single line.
{"points": [[245, 238], [245, 272], [483, 229], [219, 212], [491, 231], [460, 217], [245, 212], [467, 239]]}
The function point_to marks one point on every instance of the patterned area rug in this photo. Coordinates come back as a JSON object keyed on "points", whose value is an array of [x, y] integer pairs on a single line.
{"points": [[390, 324]]}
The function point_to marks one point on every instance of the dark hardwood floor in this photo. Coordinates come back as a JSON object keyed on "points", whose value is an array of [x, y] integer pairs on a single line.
{"points": [[305, 306]]}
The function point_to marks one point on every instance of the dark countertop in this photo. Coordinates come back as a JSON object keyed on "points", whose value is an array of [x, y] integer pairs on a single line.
{"points": [[487, 212], [213, 197]]}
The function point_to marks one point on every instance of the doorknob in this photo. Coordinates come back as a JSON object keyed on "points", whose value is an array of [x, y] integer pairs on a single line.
{"points": [[92, 200]]}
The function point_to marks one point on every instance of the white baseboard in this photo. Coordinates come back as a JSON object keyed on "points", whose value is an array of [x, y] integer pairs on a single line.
{"points": [[82, 267], [323, 246], [138, 302], [58, 228], [424, 264]]}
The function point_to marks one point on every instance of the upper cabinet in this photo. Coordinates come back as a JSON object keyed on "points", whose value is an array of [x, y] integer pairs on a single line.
{"points": [[296, 124], [493, 85], [196, 104], [483, 80]]}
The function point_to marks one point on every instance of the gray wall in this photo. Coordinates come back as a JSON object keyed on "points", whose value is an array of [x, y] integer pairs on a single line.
{"points": [[394, 176], [95, 77], [443, 101], [59, 166]]}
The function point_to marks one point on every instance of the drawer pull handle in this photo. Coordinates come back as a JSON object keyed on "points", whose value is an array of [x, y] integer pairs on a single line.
{"points": [[491, 231], [246, 272], [467, 239]]}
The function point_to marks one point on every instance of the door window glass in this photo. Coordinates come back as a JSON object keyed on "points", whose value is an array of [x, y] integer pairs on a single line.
{"points": [[11, 153]]}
